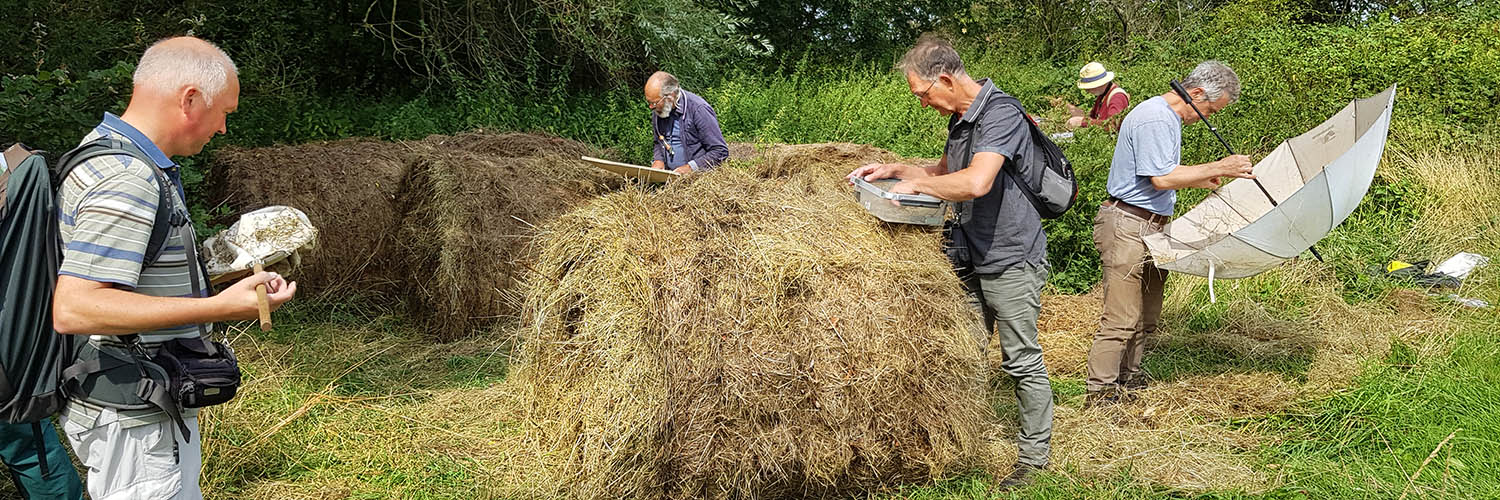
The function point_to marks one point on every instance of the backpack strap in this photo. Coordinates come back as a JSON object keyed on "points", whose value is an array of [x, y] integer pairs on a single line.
{"points": [[1036, 148], [14, 156], [167, 215], [146, 389]]}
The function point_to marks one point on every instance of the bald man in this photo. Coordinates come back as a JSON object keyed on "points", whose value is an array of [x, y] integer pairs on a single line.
{"points": [[684, 127], [130, 303]]}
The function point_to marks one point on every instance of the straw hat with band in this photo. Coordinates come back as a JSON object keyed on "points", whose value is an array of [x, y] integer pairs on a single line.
{"points": [[1093, 75]]}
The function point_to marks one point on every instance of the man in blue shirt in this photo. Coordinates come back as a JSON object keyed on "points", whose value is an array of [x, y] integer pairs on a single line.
{"points": [[684, 128], [1144, 177]]}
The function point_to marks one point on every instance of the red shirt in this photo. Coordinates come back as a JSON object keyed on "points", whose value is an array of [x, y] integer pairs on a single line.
{"points": [[1113, 102]]}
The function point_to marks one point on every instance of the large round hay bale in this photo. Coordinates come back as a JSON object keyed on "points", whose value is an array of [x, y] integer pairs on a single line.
{"points": [[749, 333], [470, 205], [347, 189]]}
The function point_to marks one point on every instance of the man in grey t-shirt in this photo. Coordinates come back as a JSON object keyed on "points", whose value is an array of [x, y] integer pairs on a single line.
{"points": [[1144, 177], [1001, 251]]}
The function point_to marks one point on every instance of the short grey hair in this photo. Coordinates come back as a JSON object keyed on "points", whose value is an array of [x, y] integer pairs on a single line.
{"points": [[167, 67], [670, 85], [932, 56], [1216, 80]]}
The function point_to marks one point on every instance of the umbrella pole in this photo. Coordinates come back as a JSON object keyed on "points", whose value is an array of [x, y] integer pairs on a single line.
{"points": [[1182, 92]]}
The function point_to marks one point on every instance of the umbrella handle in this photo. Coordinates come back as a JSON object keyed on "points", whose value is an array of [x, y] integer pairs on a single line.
{"points": [[262, 302]]}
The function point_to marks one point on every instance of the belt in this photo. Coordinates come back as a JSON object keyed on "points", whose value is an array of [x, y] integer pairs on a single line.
{"points": [[1152, 217]]}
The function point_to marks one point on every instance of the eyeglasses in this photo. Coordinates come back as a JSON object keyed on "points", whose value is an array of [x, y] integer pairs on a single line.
{"points": [[653, 104], [923, 94]]}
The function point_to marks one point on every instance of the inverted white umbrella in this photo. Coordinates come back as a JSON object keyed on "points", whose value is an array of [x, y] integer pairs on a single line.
{"points": [[1318, 178]]}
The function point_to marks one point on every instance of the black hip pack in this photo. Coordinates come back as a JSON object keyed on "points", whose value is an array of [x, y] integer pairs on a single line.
{"points": [[180, 373], [200, 372]]}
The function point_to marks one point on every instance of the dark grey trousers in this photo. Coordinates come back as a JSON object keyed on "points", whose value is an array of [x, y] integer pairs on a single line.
{"points": [[1010, 302]]}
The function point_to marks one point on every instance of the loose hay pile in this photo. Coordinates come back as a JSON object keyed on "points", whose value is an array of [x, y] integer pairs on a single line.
{"points": [[439, 224], [347, 189], [747, 334], [470, 205]]}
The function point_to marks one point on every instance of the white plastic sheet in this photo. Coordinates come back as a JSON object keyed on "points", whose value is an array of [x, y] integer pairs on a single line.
{"points": [[270, 235]]}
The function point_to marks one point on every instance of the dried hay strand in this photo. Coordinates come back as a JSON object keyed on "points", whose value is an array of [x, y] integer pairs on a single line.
{"points": [[747, 333], [354, 224], [470, 213], [1065, 329]]}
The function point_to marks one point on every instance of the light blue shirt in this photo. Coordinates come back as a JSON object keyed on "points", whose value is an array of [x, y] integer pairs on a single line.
{"points": [[677, 155], [1150, 145]]}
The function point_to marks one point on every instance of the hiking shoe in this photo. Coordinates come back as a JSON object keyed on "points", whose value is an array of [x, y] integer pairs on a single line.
{"points": [[1019, 477], [1137, 382], [1102, 397]]}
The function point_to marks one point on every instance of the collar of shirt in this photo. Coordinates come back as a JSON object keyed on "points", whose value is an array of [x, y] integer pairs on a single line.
{"points": [[986, 88], [114, 124]]}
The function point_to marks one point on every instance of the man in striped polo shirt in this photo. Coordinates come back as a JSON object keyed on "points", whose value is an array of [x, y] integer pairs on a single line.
{"points": [[184, 88]]}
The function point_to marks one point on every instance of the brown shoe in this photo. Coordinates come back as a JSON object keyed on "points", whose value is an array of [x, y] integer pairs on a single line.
{"points": [[1021, 476], [1103, 397], [1137, 382]]}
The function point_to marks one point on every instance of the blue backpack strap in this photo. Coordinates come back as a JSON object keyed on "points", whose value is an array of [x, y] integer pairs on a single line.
{"points": [[167, 216]]}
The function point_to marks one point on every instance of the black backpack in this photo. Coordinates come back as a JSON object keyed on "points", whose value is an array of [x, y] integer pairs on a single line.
{"points": [[1045, 175], [32, 354]]}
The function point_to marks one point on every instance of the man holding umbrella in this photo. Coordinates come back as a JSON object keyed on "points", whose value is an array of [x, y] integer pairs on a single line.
{"points": [[1144, 177]]}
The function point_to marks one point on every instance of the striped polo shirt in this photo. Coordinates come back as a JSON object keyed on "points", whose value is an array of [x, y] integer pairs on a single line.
{"points": [[107, 207]]}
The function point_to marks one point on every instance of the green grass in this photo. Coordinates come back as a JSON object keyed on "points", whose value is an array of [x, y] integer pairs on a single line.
{"points": [[1360, 443]]}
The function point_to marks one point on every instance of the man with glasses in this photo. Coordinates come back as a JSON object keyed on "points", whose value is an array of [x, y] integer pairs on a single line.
{"points": [[684, 128], [997, 245], [1144, 176]]}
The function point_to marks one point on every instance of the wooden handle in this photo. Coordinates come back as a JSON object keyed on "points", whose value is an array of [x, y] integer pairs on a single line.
{"points": [[262, 302]]}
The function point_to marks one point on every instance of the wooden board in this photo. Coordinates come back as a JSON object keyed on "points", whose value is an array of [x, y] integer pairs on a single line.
{"points": [[646, 174]]}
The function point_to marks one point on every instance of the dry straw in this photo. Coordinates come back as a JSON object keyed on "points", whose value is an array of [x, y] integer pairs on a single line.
{"points": [[751, 333], [439, 224]]}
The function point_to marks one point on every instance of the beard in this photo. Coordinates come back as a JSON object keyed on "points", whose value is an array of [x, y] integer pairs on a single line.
{"points": [[666, 109]]}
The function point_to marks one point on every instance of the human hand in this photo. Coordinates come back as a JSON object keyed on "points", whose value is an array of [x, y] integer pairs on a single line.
{"points": [[242, 302], [1238, 166], [877, 171], [659, 165], [903, 187], [684, 170], [1075, 122]]}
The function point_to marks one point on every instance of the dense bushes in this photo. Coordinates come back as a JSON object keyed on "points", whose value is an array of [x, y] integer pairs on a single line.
{"points": [[1296, 73]]}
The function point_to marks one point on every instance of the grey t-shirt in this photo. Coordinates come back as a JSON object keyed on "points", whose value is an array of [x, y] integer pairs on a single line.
{"points": [[1150, 144], [1001, 229]]}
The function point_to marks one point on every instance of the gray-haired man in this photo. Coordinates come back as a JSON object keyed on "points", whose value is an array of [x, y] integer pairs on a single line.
{"points": [[684, 128], [1144, 177], [998, 248], [184, 88]]}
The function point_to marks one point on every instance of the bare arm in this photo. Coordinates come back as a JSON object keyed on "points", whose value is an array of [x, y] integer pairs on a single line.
{"points": [[87, 307], [963, 185], [1206, 175], [877, 171]]}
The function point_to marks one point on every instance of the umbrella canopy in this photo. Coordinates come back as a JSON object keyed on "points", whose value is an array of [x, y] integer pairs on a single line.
{"points": [[1318, 178]]}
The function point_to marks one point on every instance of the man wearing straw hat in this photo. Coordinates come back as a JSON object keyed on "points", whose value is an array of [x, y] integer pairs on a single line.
{"points": [[998, 247], [184, 88], [684, 128], [1144, 177], [1109, 99]]}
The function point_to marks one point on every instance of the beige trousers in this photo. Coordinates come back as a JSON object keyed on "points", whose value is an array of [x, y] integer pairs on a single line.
{"points": [[1132, 297]]}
